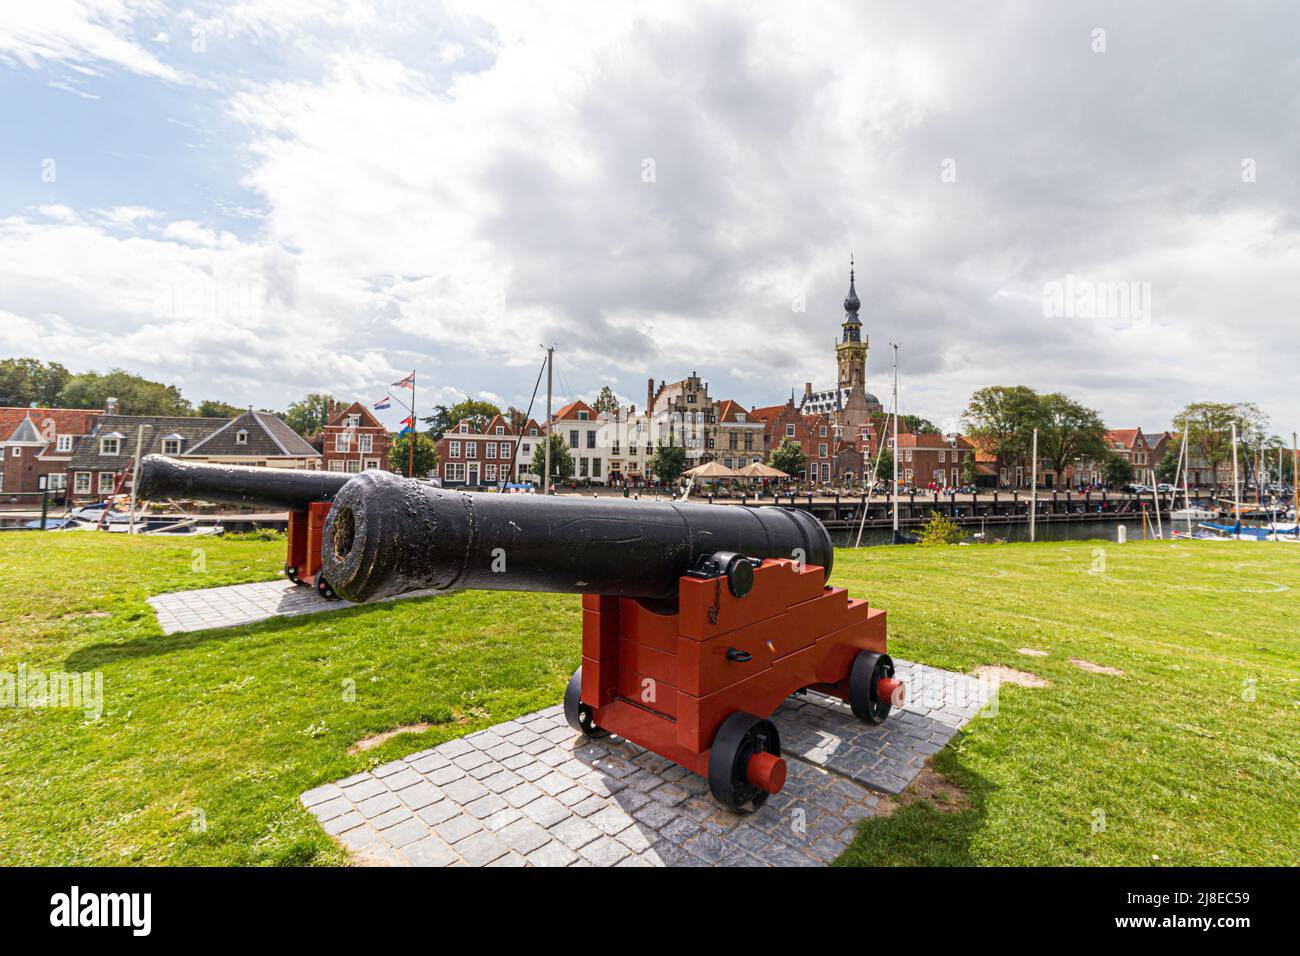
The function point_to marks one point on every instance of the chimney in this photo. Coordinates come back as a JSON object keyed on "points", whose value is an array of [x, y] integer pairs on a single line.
{"points": [[649, 393], [807, 388], [110, 406]]}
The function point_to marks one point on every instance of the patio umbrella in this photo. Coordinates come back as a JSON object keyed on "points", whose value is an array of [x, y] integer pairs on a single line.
{"points": [[712, 469], [760, 470]]}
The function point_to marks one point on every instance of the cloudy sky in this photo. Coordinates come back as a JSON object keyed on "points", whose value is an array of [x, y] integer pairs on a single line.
{"points": [[267, 197]]}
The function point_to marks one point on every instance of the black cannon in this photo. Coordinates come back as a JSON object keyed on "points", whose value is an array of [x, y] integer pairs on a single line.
{"points": [[386, 535], [288, 488], [697, 620], [306, 495]]}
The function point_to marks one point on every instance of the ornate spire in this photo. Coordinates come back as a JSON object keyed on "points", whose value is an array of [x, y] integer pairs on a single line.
{"points": [[851, 303]]}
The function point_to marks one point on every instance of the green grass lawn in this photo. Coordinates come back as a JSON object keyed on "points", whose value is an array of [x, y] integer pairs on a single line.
{"points": [[225, 728]]}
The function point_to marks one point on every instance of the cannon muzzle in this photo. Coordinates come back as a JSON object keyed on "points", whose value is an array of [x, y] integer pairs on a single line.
{"points": [[386, 535], [292, 489]]}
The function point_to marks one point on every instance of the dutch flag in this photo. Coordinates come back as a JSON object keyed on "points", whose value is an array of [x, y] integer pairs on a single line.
{"points": [[383, 403]]}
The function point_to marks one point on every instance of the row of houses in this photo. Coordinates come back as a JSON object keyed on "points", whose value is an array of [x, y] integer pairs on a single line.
{"points": [[82, 455]]}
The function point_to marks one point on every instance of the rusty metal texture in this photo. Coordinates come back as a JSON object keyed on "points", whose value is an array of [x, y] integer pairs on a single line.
{"points": [[386, 535]]}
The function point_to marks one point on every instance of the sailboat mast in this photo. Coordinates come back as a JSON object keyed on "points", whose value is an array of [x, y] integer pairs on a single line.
{"points": [[894, 488], [1187, 464], [1236, 504]]}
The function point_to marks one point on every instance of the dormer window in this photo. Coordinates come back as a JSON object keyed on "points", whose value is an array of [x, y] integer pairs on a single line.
{"points": [[501, 429], [582, 416], [464, 429], [110, 444], [241, 437], [64, 443], [171, 446]]}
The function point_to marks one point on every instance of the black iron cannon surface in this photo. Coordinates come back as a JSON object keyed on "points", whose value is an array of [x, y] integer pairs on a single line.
{"points": [[293, 489], [386, 535]]}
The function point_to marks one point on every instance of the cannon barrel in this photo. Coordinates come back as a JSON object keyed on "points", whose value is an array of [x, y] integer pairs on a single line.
{"points": [[293, 489], [386, 535]]}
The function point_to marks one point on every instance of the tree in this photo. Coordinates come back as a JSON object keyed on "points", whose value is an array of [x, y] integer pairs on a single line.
{"points": [[606, 401], [1167, 469], [668, 462], [788, 457], [426, 455], [940, 529], [311, 414], [916, 425], [1002, 419], [135, 395], [1209, 430], [1117, 470], [477, 412], [28, 381], [515, 417], [561, 458], [214, 409], [1067, 431], [885, 469]]}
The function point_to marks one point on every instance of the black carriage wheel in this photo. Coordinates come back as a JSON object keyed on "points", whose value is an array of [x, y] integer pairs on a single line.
{"points": [[578, 714], [740, 737], [868, 668], [291, 572], [323, 588]]}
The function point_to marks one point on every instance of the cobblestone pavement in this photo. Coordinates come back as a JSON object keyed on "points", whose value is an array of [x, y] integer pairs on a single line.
{"points": [[531, 792], [243, 604]]}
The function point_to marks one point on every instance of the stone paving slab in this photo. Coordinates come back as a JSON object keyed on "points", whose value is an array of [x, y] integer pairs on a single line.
{"points": [[531, 792], [235, 604]]}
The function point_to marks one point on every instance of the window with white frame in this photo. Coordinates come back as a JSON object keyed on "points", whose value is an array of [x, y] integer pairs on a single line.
{"points": [[943, 456], [106, 481], [17, 452], [58, 481], [365, 443], [907, 454], [490, 471], [490, 449], [464, 428], [789, 431], [527, 448], [453, 450], [907, 474], [372, 463], [454, 471], [501, 429], [343, 442], [821, 432], [353, 467], [110, 446], [241, 437], [336, 465], [171, 446], [471, 449], [81, 483], [821, 450], [582, 416], [354, 421], [826, 472], [64, 443]]}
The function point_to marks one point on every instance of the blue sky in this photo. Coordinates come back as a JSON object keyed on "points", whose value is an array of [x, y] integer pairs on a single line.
{"points": [[258, 199]]}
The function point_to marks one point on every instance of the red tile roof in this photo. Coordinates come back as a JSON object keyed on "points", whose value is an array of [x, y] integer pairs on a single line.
{"points": [[67, 421], [570, 411]]}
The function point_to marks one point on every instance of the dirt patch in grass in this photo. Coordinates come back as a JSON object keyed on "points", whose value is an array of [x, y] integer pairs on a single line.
{"points": [[1031, 652], [1096, 668], [370, 743], [1009, 675], [928, 787]]}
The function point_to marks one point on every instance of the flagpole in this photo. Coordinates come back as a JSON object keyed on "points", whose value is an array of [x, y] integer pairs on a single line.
{"points": [[410, 458]]}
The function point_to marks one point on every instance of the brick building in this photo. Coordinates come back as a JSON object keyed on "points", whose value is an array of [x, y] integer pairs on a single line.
{"points": [[473, 458], [926, 459], [354, 440], [36, 445], [814, 433]]}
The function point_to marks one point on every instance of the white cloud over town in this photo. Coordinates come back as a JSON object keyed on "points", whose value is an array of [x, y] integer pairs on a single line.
{"points": [[655, 189]]}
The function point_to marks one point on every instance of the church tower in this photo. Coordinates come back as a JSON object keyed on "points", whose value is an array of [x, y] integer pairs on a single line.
{"points": [[851, 349]]}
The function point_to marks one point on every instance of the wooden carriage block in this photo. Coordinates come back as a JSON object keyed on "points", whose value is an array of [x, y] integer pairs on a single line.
{"points": [[600, 627], [638, 623], [776, 586], [599, 681]]}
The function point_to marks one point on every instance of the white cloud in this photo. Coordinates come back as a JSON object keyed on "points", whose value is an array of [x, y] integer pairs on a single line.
{"points": [[83, 33]]}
